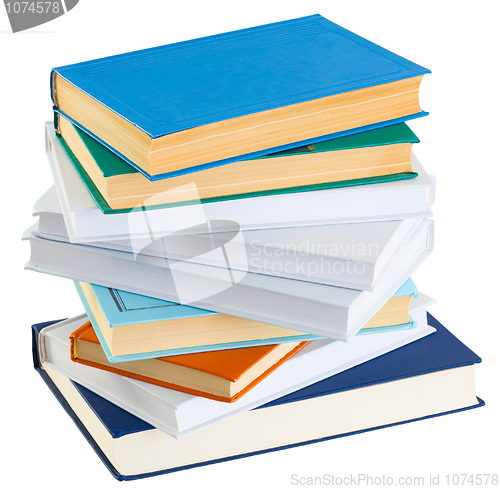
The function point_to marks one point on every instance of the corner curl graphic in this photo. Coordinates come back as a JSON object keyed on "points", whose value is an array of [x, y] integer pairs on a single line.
{"points": [[25, 15]]}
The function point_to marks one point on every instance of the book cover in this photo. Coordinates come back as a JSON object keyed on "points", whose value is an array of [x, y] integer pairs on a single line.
{"points": [[122, 308], [111, 167], [219, 371], [318, 309], [418, 358], [400, 199], [119, 308], [369, 246], [138, 305], [323, 52], [332, 248], [316, 59], [180, 414]]}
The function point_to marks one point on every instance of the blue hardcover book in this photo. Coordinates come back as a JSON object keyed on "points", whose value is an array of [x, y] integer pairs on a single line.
{"points": [[435, 374], [113, 313], [192, 105]]}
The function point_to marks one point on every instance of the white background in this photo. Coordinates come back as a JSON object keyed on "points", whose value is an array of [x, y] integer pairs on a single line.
{"points": [[457, 40]]}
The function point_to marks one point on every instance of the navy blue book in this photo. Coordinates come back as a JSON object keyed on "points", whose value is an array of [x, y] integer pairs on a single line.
{"points": [[435, 377], [197, 104]]}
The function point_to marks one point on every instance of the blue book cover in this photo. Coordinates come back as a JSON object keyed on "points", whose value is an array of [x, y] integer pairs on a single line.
{"points": [[121, 308], [438, 351], [407, 289], [231, 75]]}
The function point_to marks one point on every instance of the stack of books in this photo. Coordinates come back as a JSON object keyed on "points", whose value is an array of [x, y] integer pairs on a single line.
{"points": [[241, 216]]}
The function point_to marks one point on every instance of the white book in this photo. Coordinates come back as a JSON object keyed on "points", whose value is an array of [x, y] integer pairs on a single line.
{"points": [[346, 255], [322, 310], [180, 414], [402, 199]]}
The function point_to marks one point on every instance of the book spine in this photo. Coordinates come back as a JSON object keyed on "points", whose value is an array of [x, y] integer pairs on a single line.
{"points": [[53, 94], [35, 330]]}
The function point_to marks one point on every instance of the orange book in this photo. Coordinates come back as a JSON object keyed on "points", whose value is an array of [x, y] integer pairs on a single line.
{"points": [[223, 375]]}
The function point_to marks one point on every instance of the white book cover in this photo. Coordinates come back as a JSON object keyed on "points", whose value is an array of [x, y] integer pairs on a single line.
{"points": [[402, 199], [322, 310], [346, 255], [180, 414]]}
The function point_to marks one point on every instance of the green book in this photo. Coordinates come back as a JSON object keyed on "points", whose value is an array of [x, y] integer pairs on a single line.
{"points": [[375, 156]]}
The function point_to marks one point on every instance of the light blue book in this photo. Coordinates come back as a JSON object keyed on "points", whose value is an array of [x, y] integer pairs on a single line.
{"points": [[407, 289], [135, 327], [169, 97]]}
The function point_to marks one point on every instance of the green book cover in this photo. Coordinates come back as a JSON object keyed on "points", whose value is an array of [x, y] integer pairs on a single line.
{"points": [[112, 165]]}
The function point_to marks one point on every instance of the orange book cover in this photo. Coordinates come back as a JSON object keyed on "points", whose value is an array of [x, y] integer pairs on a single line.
{"points": [[226, 364]]}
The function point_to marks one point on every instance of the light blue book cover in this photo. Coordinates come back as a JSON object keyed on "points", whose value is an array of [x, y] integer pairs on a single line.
{"points": [[176, 87], [407, 289], [123, 308]]}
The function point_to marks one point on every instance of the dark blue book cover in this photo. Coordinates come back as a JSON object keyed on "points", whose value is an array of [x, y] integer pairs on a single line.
{"points": [[438, 351]]}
